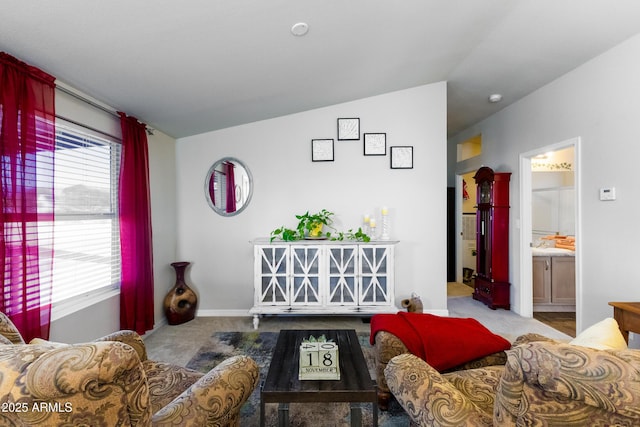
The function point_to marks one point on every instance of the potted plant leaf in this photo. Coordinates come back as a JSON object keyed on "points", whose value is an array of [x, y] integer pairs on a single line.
{"points": [[311, 226]]}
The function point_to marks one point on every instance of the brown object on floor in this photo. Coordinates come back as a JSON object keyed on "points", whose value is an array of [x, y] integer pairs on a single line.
{"points": [[627, 314], [181, 302], [413, 304]]}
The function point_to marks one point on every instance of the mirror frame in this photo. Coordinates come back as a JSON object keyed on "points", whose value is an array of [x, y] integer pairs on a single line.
{"points": [[208, 179]]}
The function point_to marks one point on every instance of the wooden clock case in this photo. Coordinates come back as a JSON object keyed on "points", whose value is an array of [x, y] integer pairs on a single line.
{"points": [[492, 238]]}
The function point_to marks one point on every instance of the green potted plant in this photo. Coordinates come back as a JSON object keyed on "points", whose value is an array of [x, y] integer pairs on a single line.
{"points": [[311, 226]]}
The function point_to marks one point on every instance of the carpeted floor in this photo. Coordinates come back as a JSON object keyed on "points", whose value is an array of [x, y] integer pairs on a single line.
{"points": [[260, 345], [502, 322], [202, 343], [561, 321]]}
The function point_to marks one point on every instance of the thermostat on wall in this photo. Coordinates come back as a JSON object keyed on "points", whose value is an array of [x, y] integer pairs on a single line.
{"points": [[608, 193]]}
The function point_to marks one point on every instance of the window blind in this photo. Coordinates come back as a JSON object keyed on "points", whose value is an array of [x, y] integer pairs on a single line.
{"points": [[85, 226]]}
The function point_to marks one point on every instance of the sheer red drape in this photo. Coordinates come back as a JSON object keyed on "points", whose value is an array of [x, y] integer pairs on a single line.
{"points": [[231, 186], [27, 147], [136, 292]]}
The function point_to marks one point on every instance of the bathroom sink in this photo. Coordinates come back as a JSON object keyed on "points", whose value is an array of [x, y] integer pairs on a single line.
{"points": [[552, 252]]}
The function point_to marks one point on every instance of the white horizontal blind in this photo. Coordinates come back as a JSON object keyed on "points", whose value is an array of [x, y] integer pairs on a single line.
{"points": [[85, 227], [219, 195]]}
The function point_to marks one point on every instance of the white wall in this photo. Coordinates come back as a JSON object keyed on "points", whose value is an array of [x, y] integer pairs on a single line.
{"points": [[162, 181], [287, 182], [600, 103]]}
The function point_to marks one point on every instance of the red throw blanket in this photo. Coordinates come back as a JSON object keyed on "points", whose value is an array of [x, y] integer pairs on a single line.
{"points": [[443, 342]]}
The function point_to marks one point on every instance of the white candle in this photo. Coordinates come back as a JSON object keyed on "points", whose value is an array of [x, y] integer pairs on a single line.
{"points": [[385, 210], [366, 218], [372, 222]]}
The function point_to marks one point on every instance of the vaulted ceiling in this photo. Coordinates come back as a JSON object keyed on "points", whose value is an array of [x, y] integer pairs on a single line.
{"points": [[199, 65]]}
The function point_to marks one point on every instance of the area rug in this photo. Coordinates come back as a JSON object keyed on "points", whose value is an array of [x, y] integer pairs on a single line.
{"points": [[260, 345]]}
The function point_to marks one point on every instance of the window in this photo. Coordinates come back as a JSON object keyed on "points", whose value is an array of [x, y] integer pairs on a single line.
{"points": [[86, 257]]}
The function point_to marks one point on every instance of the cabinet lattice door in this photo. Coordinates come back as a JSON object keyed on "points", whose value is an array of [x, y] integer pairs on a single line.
{"points": [[272, 265], [323, 278], [305, 283], [343, 275], [374, 287]]}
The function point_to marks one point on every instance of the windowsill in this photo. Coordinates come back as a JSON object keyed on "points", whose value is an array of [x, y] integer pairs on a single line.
{"points": [[72, 305]]}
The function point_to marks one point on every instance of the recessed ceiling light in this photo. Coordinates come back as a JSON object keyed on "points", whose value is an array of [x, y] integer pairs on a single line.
{"points": [[300, 29], [496, 97]]}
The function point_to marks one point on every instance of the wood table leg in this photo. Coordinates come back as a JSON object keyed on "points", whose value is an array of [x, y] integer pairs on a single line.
{"points": [[627, 314], [618, 315], [374, 410], [262, 408], [356, 415], [283, 415]]}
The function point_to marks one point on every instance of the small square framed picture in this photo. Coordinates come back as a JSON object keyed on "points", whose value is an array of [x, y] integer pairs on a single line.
{"points": [[375, 144], [402, 157], [322, 150], [348, 129]]}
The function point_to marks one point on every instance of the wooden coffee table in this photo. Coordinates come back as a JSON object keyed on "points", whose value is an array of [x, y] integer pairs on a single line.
{"points": [[283, 386]]}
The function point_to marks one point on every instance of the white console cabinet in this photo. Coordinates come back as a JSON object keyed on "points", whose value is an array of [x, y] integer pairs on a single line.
{"points": [[323, 277]]}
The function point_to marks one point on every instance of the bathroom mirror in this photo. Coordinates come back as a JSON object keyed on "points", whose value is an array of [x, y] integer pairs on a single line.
{"points": [[228, 186]]}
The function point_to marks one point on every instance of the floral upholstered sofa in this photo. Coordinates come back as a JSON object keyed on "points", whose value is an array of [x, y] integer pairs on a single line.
{"points": [[543, 383], [110, 382]]}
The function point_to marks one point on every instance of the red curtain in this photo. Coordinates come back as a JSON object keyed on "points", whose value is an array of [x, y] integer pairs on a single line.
{"points": [[231, 186], [136, 291], [27, 146]]}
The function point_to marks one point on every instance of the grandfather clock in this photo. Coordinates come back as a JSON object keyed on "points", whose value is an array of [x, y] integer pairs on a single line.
{"points": [[492, 238]]}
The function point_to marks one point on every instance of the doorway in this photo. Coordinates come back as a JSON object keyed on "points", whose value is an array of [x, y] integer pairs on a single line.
{"points": [[465, 209], [549, 215]]}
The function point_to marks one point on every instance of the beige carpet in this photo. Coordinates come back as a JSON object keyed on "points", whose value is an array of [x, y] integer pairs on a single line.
{"points": [[179, 343], [502, 322]]}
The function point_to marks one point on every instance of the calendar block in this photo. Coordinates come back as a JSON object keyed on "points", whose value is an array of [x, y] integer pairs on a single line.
{"points": [[319, 361]]}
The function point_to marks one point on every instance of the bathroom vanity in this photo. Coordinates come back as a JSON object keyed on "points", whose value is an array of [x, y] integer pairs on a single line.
{"points": [[554, 280]]}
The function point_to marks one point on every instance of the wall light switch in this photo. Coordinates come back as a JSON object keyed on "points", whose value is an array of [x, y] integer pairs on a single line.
{"points": [[608, 193]]}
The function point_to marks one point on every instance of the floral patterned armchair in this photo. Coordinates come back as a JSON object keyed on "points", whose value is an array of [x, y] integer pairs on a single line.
{"points": [[543, 383], [387, 346], [111, 382]]}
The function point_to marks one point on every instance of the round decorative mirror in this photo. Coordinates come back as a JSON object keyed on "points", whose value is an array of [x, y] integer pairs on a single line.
{"points": [[228, 186]]}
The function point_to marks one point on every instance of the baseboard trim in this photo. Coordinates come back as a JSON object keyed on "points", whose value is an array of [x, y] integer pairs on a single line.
{"points": [[443, 313], [223, 313], [245, 313]]}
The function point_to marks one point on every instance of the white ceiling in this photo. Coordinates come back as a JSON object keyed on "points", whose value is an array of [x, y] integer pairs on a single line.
{"points": [[191, 66]]}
